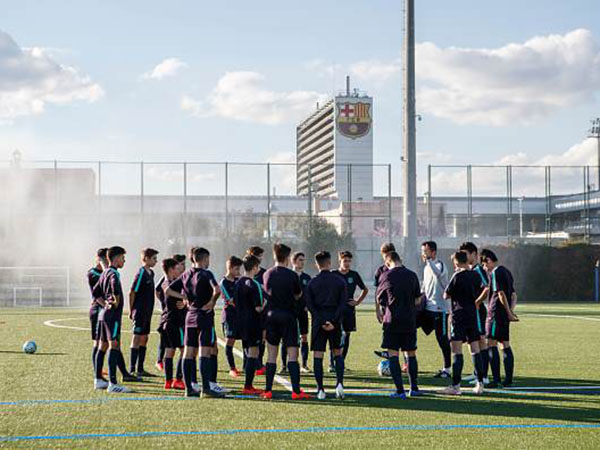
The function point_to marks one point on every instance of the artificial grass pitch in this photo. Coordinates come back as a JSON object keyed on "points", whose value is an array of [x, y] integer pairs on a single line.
{"points": [[47, 399]]}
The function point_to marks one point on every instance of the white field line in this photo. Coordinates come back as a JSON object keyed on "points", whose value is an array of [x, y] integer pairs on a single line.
{"points": [[593, 319], [51, 323]]}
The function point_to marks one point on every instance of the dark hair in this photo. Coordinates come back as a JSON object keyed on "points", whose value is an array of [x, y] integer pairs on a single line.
{"points": [[149, 253], [199, 254], [234, 261], [431, 244], [115, 251], [387, 247], [255, 250], [393, 256], [322, 258], [345, 254], [250, 262], [460, 257], [191, 253], [179, 258], [281, 251], [101, 253], [488, 254], [297, 255], [468, 247], [168, 264]]}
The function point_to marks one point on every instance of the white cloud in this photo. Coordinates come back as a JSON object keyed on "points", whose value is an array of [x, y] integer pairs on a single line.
{"points": [[30, 79], [242, 96], [375, 70], [166, 68], [323, 68], [518, 83]]}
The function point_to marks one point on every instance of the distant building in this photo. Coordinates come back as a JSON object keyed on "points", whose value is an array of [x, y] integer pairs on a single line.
{"points": [[334, 149]]}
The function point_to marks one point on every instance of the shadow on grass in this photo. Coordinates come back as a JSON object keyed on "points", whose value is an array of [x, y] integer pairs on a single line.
{"points": [[15, 352]]}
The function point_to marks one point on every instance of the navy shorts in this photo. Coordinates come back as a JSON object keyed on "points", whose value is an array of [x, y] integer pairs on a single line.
{"points": [[303, 321], [282, 326], [498, 331], [229, 323], [200, 333], [481, 319], [94, 313], [349, 321], [109, 330], [319, 338], [464, 331], [429, 321], [172, 336], [394, 340], [141, 323]]}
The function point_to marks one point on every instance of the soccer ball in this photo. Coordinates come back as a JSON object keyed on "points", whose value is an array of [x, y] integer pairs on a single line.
{"points": [[29, 347], [383, 368]]}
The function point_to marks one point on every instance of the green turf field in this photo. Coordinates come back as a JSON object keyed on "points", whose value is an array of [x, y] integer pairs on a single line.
{"points": [[555, 346]]}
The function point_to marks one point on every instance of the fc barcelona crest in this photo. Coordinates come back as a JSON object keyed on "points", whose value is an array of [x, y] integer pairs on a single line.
{"points": [[354, 119]]}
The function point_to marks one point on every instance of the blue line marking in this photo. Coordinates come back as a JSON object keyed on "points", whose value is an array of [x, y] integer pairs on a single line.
{"points": [[298, 430]]}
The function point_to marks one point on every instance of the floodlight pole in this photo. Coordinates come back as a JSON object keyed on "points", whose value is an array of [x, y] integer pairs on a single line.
{"points": [[594, 133], [409, 163]]}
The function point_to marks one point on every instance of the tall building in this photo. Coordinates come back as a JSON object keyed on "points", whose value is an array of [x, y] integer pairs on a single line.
{"points": [[334, 149]]}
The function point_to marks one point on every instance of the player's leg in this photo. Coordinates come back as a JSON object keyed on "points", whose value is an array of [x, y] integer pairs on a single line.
{"points": [[441, 335], [283, 369], [168, 366], [207, 344], [476, 358], [291, 336], [143, 344], [229, 344], [494, 357], [303, 323], [114, 353], [409, 348], [509, 363], [134, 350], [99, 381], [271, 367], [335, 342], [318, 344], [189, 360], [251, 365], [160, 355], [391, 342], [457, 367]]}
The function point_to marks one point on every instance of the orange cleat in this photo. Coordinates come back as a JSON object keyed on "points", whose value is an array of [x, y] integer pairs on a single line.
{"points": [[252, 391], [300, 396], [261, 371], [179, 385], [234, 373], [267, 395], [159, 366], [169, 384]]}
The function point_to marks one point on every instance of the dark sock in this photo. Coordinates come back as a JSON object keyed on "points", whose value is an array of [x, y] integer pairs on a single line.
{"points": [[245, 358], [495, 363], [294, 369], [304, 351], [205, 372], [250, 371], [230, 358], [195, 371], [457, 367], [270, 376], [179, 370], [444, 345], [283, 355], [346, 346], [339, 369], [160, 352], [485, 362], [133, 357], [121, 363], [509, 365], [413, 371], [478, 363], [99, 363], [113, 359], [94, 353], [318, 370], [188, 369], [214, 368], [331, 359], [168, 368], [396, 374], [261, 354], [141, 358]]}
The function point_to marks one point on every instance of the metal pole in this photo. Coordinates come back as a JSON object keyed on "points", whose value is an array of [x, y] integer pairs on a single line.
{"points": [[185, 206], [350, 198], [389, 203], [547, 221], [429, 205], [142, 199], [226, 199], [100, 200], [520, 200], [409, 166], [55, 186], [309, 200], [469, 201], [269, 201], [509, 203], [597, 282]]}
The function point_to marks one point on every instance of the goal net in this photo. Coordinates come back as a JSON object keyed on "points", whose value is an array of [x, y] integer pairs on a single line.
{"points": [[34, 286]]}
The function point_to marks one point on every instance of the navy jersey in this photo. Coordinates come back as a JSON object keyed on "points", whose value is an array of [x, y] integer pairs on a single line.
{"points": [[93, 276], [380, 270], [110, 290], [197, 286], [247, 296], [160, 292], [143, 287], [481, 280], [461, 291], [353, 280], [304, 280], [282, 286], [398, 290], [260, 275], [326, 298], [500, 280], [227, 294], [171, 315]]}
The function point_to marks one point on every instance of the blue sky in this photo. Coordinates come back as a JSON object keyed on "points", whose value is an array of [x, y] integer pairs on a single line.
{"points": [[290, 53]]}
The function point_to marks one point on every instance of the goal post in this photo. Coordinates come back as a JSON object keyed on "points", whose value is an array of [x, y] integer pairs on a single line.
{"points": [[35, 286]]}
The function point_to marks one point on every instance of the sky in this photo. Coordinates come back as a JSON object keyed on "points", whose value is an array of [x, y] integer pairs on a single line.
{"points": [[508, 82]]}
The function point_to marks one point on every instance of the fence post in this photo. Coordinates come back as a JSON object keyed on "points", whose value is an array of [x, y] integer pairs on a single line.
{"points": [[389, 204], [349, 197], [548, 218], [142, 221], [429, 205], [469, 201], [269, 201], [100, 200], [509, 203], [597, 281], [185, 206], [309, 200], [226, 198]]}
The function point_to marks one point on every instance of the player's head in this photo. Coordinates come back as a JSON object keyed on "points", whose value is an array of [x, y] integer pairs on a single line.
{"points": [[201, 257], [191, 254], [116, 256], [170, 267], [181, 261], [251, 265], [257, 251], [386, 247], [281, 253], [460, 259], [102, 257], [298, 260], [345, 259], [471, 250], [323, 260], [392, 259], [489, 260], [233, 265], [429, 249], [149, 257]]}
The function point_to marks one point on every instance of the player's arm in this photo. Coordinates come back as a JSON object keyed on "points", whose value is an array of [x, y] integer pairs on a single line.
{"points": [[504, 300], [513, 301], [363, 293], [479, 300], [297, 288], [342, 302], [215, 296]]}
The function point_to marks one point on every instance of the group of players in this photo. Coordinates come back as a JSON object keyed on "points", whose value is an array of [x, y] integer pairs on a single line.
{"points": [[266, 309]]}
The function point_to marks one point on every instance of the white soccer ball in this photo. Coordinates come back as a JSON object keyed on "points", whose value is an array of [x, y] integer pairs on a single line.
{"points": [[29, 347], [383, 368]]}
